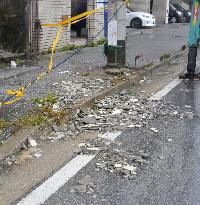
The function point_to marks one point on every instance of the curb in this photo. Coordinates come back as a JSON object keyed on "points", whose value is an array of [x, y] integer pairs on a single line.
{"points": [[8, 59], [16, 141]]}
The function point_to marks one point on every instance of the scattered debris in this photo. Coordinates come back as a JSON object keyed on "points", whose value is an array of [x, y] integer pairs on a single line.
{"points": [[121, 162], [188, 106], [85, 185], [154, 130], [32, 142], [88, 120], [37, 155]]}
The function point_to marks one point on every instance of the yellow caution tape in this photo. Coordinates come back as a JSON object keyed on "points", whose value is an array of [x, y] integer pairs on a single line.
{"points": [[72, 19], [54, 47], [18, 94]]}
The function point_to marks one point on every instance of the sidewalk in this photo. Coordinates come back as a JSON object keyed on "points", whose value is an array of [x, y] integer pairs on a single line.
{"points": [[79, 77]]}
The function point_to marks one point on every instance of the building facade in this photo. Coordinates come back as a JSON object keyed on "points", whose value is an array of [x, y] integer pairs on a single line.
{"points": [[159, 8], [51, 11], [22, 22]]}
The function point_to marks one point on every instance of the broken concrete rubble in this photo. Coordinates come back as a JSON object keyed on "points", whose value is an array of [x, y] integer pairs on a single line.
{"points": [[121, 162], [84, 185], [121, 112], [88, 120]]}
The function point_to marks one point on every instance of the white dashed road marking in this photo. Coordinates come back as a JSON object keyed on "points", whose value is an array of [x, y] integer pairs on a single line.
{"points": [[51, 185]]}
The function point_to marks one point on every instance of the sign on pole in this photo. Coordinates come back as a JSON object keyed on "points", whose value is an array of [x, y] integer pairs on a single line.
{"points": [[112, 33], [100, 4]]}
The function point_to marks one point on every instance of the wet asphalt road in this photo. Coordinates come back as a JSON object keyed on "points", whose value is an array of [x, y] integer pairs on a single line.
{"points": [[172, 175]]}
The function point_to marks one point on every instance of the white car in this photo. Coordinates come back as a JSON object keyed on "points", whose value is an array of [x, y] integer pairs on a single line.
{"points": [[139, 19]]}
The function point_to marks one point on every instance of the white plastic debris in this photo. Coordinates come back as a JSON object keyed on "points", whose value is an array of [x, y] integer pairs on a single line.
{"points": [[37, 155], [93, 149], [134, 100], [32, 142], [81, 145], [118, 165], [129, 168], [188, 106], [116, 112], [56, 108], [175, 112], [13, 64], [138, 126], [154, 130]]}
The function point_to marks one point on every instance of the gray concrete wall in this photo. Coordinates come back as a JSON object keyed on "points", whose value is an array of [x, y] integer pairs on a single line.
{"points": [[182, 3], [140, 5], [159, 10]]}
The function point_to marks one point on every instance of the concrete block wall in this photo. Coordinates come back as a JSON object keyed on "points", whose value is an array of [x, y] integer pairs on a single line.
{"points": [[140, 5], [183, 4], [52, 11], [159, 10], [95, 22]]}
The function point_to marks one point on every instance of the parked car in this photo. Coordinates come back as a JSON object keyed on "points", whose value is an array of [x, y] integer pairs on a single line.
{"points": [[186, 13], [137, 19], [175, 15]]}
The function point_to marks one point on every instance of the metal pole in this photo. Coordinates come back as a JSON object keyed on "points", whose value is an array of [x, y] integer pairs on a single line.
{"points": [[167, 12], [116, 56]]}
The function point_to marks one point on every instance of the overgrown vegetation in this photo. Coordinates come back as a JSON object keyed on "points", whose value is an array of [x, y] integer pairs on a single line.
{"points": [[148, 65], [71, 47], [45, 114], [47, 109], [3, 65], [101, 41], [18, 61], [28, 120], [49, 100], [165, 57], [3, 124]]}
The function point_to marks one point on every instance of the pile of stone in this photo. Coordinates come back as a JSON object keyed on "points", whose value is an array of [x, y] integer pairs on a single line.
{"points": [[84, 185], [124, 163], [69, 92], [121, 162], [120, 112]]}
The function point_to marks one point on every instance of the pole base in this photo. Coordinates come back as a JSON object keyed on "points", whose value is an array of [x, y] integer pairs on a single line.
{"points": [[189, 76], [192, 56]]}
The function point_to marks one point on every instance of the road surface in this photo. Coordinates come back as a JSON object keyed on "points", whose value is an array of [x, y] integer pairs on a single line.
{"points": [[170, 175]]}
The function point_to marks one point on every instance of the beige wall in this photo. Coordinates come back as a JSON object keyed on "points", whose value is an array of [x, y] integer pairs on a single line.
{"points": [[51, 11], [95, 22]]}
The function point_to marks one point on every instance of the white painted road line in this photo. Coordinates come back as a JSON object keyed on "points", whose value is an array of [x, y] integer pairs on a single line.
{"points": [[160, 94], [111, 136], [51, 185]]}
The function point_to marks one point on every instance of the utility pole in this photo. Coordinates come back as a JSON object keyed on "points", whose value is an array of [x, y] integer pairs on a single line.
{"points": [[116, 55], [167, 12]]}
